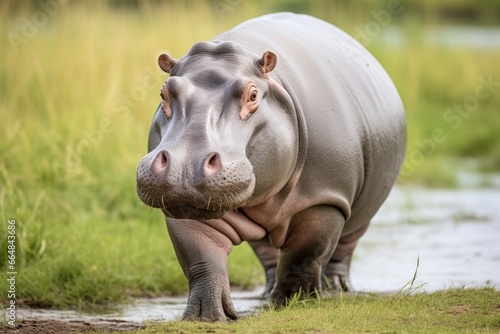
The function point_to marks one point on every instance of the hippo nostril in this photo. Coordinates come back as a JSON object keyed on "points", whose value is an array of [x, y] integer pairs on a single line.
{"points": [[163, 159], [213, 164], [213, 160], [160, 161]]}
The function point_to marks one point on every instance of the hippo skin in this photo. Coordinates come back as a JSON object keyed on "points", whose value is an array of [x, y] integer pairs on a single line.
{"points": [[283, 132]]}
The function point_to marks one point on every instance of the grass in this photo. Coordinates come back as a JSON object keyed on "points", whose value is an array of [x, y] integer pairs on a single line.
{"points": [[77, 94], [452, 311]]}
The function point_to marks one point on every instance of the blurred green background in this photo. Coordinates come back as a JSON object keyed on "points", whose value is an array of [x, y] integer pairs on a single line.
{"points": [[79, 84]]}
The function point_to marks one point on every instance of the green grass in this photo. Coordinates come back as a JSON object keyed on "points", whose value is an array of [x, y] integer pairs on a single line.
{"points": [[77, 97], [451, 311]]}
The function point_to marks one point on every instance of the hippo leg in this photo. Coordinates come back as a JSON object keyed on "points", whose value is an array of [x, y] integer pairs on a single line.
{"points": [[202, 252], [268, 257], [312, 237], [336, 272]]}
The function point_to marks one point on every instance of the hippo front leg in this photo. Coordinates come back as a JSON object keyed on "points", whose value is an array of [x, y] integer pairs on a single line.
{"points": [[313, 236], [202, 252]]}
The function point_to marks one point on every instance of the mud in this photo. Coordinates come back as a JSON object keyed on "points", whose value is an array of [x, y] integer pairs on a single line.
{"points": [[37, 326]]}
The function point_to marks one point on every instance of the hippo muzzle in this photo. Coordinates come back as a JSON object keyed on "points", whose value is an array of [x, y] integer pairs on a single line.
{"points": [[202, 186]]}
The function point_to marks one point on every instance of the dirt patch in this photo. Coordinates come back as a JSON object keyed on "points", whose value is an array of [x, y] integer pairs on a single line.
{"points": [[32, 326], [459, 309]]}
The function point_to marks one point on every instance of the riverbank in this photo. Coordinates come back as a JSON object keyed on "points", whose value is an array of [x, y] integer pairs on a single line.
{"points": [[451, 311]]}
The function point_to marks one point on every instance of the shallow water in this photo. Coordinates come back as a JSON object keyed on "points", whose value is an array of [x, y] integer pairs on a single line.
{"points": [[454, 234]]}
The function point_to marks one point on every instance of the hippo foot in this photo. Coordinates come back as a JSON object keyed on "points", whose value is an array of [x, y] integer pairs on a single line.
{"points": [[336, 276], [300, 287], [214, 306], [281, 299], [270, 282]]}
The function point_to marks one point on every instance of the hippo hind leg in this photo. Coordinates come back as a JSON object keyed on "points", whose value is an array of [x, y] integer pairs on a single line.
{"points": [[336, 272], [312, 237], [268, 257]]}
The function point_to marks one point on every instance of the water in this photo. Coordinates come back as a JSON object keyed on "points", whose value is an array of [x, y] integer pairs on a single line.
{"points": [[454, 234]]}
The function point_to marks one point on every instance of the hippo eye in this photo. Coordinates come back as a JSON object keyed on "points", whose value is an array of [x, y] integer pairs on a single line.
{"points": [[253, 95], [249, 100]]}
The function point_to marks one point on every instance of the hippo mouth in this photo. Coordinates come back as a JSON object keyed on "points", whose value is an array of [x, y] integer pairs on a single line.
{"points": [[194, 205], [191, 212]]}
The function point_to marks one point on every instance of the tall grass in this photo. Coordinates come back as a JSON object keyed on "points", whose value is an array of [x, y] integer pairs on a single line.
{"points": [[76, 99], [435, 82]]}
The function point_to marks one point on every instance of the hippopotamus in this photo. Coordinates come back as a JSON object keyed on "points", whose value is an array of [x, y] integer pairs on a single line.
{"points": [[284, 132]]}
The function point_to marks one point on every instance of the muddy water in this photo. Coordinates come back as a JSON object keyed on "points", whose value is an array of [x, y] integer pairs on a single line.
{"points": [[454, 233]]}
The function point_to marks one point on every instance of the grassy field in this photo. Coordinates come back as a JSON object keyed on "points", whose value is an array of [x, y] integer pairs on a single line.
{"points": [[452, 311], [78, 87]]}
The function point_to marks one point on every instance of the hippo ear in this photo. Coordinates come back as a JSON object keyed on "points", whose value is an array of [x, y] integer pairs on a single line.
{"points": [[268, 62], [166, 62]]}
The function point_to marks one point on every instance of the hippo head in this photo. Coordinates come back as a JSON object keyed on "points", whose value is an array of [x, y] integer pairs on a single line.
{"points": [[224, 136]]}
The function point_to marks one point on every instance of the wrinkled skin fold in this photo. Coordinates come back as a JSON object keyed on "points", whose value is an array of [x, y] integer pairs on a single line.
{"points": [[283, 132]]}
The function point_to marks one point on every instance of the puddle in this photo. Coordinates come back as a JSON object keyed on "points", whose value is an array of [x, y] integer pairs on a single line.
{"points": [[454, 234], [147, 309]]}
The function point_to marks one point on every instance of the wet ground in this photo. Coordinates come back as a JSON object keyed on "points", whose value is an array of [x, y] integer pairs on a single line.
{"points": [[453, 233], [122, 317], [134, 315]]}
